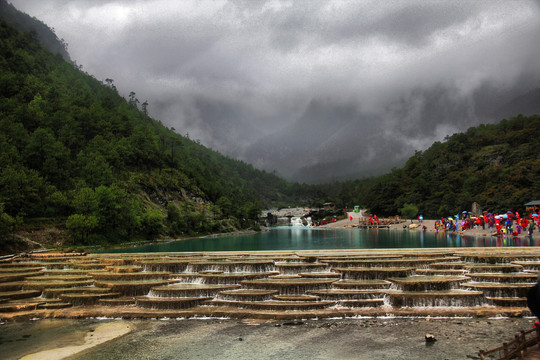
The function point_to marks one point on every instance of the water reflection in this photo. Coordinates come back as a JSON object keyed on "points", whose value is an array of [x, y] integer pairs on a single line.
{"points": [[301, 238]]}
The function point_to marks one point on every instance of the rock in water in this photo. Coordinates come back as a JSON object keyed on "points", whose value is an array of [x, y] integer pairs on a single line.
{"points": [[430, 338]]}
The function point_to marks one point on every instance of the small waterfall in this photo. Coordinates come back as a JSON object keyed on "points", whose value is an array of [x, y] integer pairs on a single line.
{"points": [[231, 266], [450, 298], [188, 290], [295, 268], [246, 295], [528, 265], [169, 303], [87, 298], [499, 258], [373, 273], [513, 278], [496, 268], [429, 283], [296, 221], [497, 290], [314, 283], [232, 278], [166, 266], [335, 294], [381, 263], [289, 286], [131, 288], [189, 279]]}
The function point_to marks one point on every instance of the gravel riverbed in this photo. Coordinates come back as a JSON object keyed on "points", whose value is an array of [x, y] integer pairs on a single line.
{"points": [[364, 338]]}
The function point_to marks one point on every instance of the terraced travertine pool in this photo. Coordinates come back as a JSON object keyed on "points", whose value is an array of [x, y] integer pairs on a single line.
{"points": [[271, 285]]}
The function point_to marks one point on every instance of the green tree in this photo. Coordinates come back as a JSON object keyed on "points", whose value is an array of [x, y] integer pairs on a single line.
{"points": [[7, 225], [144, 107], [48, 155], [81, 226], [116, 213], [94, 169], [144, 146], [409, 211], [152, 223], [176, 221], [21, 191], [85, 201], [225, 205]]}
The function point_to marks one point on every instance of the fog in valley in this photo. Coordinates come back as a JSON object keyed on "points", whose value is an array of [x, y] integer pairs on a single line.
{"points": [[313, 90]]}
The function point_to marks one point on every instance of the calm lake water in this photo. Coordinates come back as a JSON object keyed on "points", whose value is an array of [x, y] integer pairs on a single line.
{"points": [[299, 238]]}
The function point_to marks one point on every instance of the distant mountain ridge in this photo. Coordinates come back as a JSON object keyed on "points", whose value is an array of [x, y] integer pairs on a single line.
{"points": [[339, 141], [527, 104]]}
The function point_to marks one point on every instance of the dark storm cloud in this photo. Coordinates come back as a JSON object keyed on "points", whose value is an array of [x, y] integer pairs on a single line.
{"points": [[254, 78], [406, 24]]}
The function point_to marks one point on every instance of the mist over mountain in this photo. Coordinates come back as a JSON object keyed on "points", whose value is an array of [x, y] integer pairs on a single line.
{"points": [[25, 23], [338, 141]]}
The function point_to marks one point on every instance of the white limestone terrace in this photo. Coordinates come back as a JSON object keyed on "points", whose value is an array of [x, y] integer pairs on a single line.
{"points": [[480, 282]]}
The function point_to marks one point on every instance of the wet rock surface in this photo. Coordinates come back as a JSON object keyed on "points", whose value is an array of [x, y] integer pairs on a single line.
{"points": [[367, 338], [435, 282]]}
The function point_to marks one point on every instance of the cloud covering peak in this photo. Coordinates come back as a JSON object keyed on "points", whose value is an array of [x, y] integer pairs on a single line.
{"points": [[231, 73]]}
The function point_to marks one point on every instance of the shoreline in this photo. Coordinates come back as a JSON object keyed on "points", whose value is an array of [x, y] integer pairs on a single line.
{"points": [[430, 224], [169, 240]]}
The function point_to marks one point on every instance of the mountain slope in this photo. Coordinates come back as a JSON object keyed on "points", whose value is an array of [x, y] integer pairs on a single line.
{"points": [[74, 151], [26, 23], [496, 166]]}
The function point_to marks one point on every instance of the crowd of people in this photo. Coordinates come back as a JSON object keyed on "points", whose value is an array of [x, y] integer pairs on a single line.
{"points": [[509, 224]]}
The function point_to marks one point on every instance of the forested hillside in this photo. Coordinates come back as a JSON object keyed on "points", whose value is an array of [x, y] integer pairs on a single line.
{"points": [[497, 166], [25, 23], [76, 153]]}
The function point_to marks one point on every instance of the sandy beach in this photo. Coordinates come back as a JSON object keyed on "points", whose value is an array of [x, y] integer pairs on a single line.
{"points": [[101, 334]]}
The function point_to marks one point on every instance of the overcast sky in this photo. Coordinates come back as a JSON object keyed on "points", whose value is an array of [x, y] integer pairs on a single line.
{"points": [[230, 72]]}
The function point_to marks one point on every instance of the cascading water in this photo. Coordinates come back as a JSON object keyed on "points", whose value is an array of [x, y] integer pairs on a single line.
{"points": [[318, 283], [296, 221]]}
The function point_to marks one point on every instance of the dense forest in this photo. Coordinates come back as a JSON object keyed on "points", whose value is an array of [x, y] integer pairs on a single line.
{"points": [[25, 23], [495, 165], [74, 152]]}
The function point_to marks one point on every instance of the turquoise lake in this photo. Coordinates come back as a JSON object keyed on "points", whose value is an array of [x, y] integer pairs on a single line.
{"points": [[300, 238]]}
